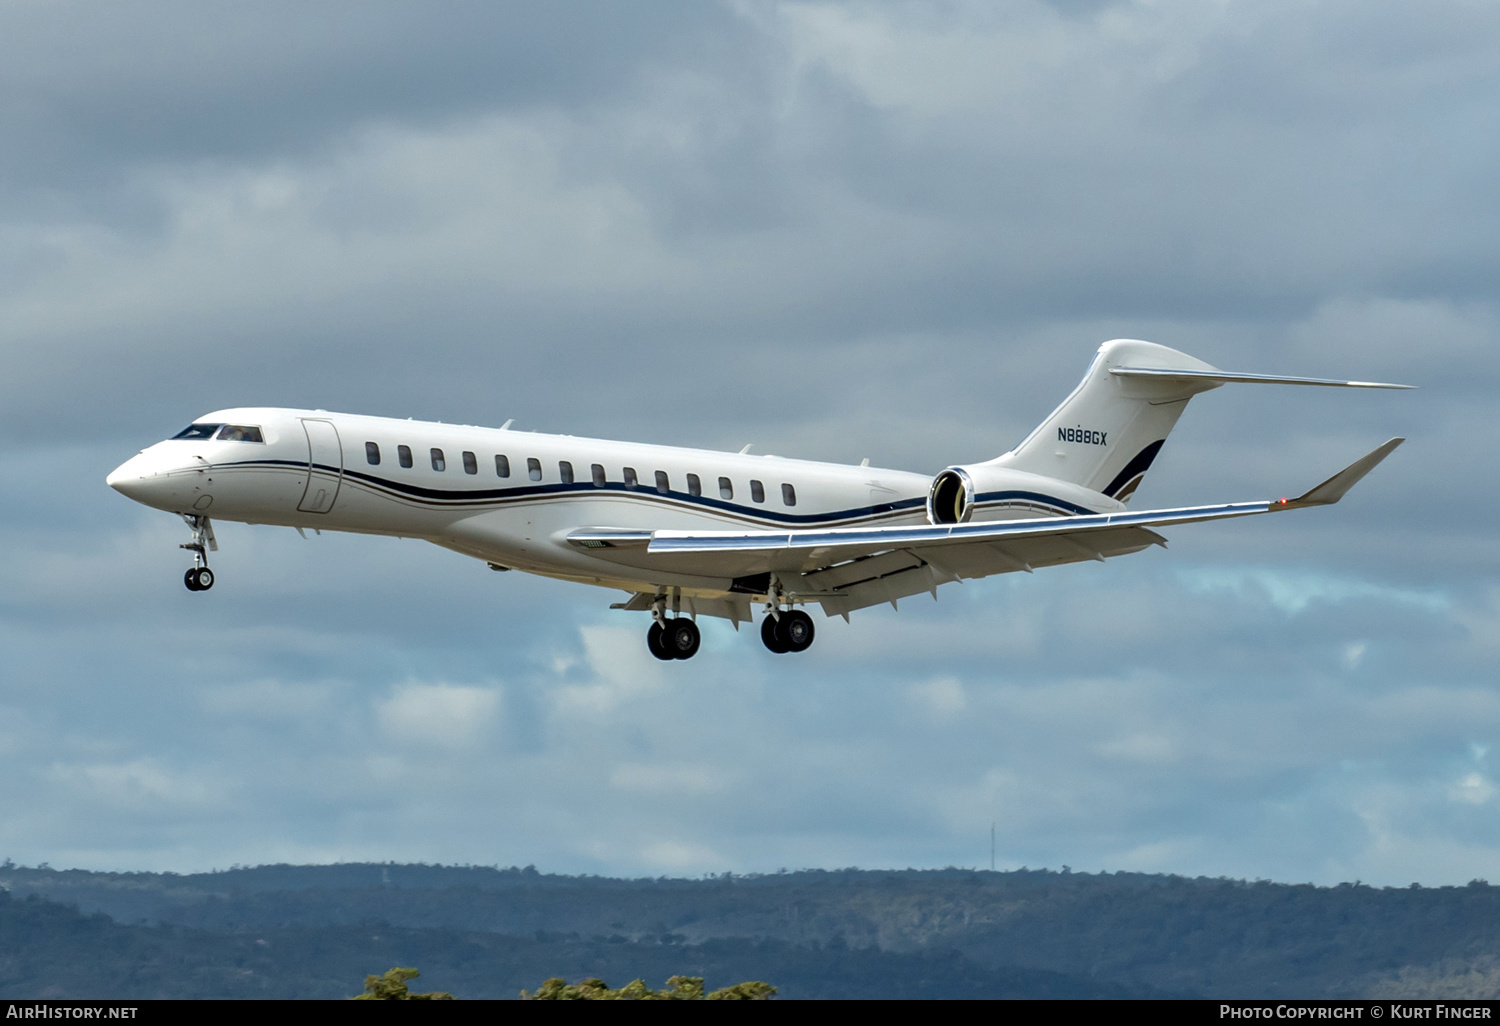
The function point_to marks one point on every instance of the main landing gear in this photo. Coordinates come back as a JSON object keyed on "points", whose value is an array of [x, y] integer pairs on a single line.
{"points": [[790, 631], [672, 637], [199, 577], [676, 637], [784, 630]]}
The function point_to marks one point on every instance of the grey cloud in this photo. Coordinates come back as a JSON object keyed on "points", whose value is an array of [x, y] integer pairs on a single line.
{"points": [[830, 231], [165, 82]]}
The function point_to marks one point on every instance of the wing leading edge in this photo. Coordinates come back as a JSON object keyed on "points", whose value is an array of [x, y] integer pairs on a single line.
{"points": [[853, 567]]}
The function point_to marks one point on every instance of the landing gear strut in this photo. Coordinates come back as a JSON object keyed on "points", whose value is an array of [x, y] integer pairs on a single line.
{"points": [[199, 577], [672, 637]]}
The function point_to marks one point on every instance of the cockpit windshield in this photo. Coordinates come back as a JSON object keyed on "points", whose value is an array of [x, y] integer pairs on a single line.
{"points": [[240, 433], [198, 431]]}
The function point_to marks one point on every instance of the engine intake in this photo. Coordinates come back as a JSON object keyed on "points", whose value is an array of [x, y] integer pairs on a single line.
{"points": [[951, 498]]}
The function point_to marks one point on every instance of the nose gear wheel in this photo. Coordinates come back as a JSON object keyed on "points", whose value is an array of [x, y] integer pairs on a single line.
{"points": [[198, 578]]}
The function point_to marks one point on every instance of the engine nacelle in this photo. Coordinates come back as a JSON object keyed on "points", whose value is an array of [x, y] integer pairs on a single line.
{"points": [[952, 498], [984, 491]]}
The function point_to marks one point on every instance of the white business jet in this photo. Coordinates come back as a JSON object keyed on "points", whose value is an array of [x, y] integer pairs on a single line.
{"points": [[711, 533]]}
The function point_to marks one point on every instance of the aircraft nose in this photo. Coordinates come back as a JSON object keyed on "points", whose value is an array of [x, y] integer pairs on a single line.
{"points": [[127, 478], [137, 478]]}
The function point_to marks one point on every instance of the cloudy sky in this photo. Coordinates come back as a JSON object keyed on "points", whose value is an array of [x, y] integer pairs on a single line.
{"points": [[835, 231]]}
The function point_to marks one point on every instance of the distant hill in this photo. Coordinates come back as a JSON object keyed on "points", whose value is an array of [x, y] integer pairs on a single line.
{"points": [[315, 931]]}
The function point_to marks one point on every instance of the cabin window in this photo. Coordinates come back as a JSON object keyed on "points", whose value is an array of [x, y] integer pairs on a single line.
{"points": [[239, 433], [789, 495], [662, 485], [403, 456], [598, 472], [726, 489], [502, 466], [565, 471], [695, 486], [198, 431], [534, 468], [438, 462], [630, 479], [757, 491], [471, 463], [372, 454]]}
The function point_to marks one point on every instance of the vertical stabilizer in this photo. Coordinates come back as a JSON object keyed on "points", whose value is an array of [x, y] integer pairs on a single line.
{"points": [[1106, 434]]}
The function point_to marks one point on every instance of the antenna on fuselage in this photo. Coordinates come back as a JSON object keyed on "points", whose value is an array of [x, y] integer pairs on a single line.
{"points": [[507, 424]]}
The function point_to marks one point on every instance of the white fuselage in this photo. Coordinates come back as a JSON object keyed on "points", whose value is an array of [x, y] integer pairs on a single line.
{"points": [[504, 496]]}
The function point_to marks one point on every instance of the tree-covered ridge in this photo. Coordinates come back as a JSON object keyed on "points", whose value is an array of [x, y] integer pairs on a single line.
{"points": [[52, 951], [1135, 933]]}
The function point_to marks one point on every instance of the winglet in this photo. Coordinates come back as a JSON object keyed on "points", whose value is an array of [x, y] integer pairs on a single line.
{"points": [[1332, 490]]}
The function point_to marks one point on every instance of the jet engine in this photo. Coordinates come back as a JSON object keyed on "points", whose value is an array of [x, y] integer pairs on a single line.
{"points": [[951, 498], [989, 491]]}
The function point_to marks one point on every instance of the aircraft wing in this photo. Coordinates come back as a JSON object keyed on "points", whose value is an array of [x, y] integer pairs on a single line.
{"points": [[853, 567]]}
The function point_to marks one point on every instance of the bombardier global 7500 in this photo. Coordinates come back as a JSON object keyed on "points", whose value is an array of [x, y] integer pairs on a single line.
{"points": [[692, 532]]}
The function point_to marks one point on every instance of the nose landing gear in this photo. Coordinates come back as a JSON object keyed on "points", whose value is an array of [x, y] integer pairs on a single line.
{"points": [[199, 577]]}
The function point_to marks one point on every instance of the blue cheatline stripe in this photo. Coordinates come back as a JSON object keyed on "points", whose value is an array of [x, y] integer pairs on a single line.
{"points": [[444, 498], [1050, 500], [447, 497]]}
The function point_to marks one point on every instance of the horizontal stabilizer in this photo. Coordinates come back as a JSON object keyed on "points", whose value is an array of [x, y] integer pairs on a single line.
{"points": [[1332, 490], [1222, 377]]}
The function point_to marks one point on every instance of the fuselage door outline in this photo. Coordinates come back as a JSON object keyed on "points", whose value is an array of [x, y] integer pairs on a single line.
{"points": [[325, 466]]}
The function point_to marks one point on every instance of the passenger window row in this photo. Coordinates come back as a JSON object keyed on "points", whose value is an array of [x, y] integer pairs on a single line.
{"points": [[565, 473]]}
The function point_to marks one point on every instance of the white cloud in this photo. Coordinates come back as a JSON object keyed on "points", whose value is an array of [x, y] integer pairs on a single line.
{"points": [[668, 780], [1147, 748], [623, 668], [941, 697], [1472, 789], [680, 857], [267, 699], [1293, 591], [984, 60], [440, 715], [143, 783]]}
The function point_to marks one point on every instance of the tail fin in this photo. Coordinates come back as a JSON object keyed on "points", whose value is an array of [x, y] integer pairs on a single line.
{"points": [[1107, 433]]}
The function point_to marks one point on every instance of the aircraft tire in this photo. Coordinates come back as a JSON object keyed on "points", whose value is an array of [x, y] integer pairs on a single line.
{"points": [[205, 579], [191, 578], [796, 630], [682, 638], [656, 642], [771, 635]]}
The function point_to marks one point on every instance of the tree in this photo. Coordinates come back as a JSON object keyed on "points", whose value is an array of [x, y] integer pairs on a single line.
{"points": [[683, 988], [392, 987]]}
